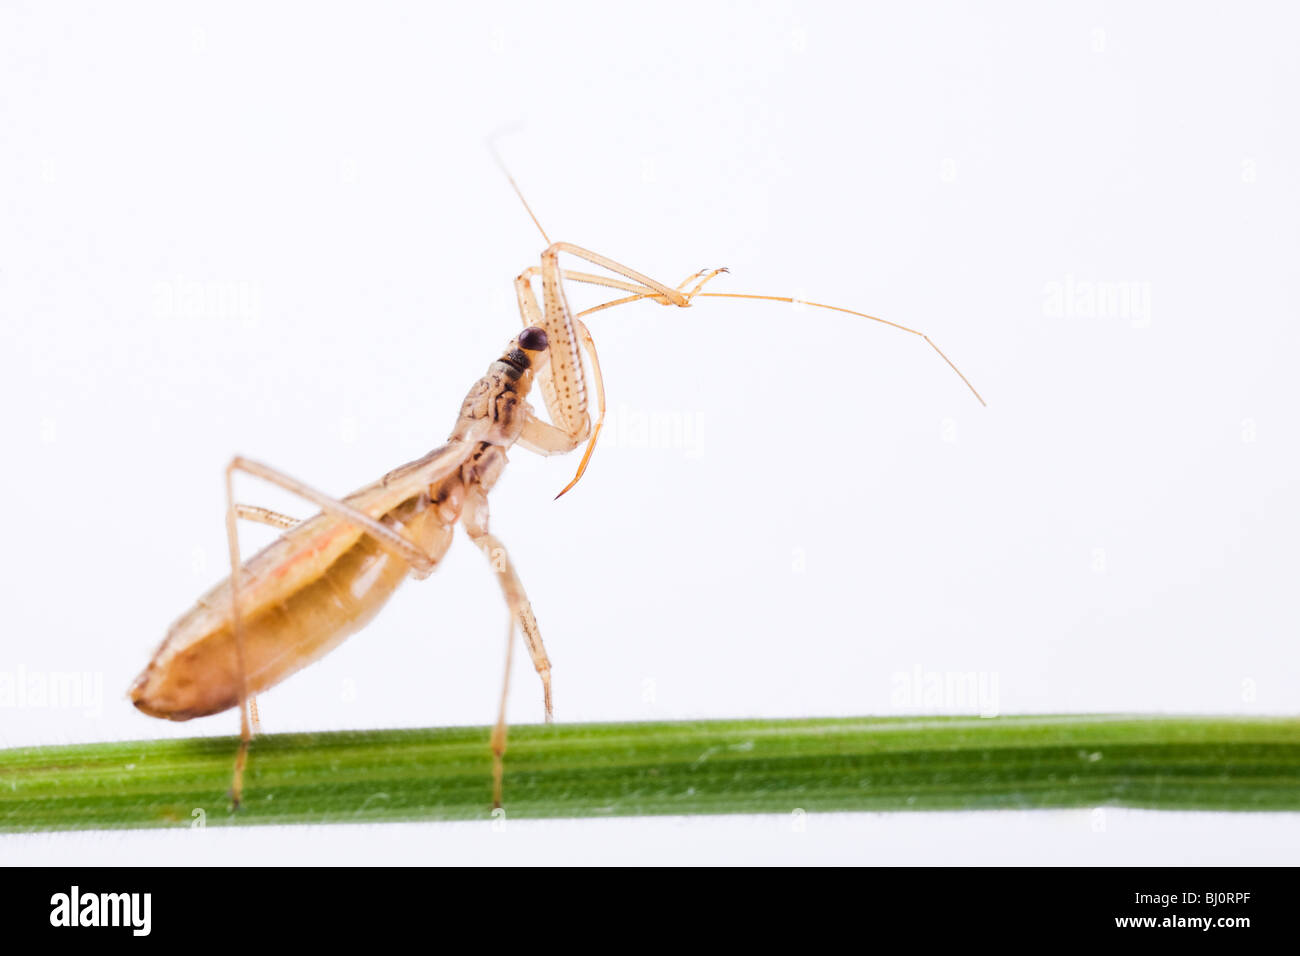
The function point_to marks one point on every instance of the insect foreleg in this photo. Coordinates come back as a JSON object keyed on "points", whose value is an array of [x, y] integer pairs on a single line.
{"points": [[562, 382], [705, 276], [551, 267], [568, 275], [543, 438], [546, 439]]}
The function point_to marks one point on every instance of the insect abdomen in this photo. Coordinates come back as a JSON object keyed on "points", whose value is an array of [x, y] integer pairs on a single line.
{"points": [[197, 675]]}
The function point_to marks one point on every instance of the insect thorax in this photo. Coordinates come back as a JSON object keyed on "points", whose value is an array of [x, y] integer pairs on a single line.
{"points": [[498, 397]]}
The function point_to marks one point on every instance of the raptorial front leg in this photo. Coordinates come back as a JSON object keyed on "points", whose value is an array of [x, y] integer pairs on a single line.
{"points": [[562, 382], [550, 263], [544, 439], [705, 276]]}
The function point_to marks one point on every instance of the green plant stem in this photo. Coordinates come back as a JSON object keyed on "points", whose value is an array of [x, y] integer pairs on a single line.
{"points": [[603, 770]]}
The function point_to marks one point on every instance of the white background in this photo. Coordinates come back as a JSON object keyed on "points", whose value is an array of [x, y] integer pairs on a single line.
{"points": [[278, 232]]}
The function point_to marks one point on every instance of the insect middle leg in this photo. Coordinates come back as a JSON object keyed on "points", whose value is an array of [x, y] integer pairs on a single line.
{"points": [[421, 562], [475, 519]]}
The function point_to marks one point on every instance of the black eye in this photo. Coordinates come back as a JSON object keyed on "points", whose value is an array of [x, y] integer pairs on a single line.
{"points": [[533, 339]]}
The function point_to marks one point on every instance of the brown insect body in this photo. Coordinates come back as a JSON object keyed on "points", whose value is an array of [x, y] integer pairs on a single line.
{"points": [[328, 576], [326, 579]]}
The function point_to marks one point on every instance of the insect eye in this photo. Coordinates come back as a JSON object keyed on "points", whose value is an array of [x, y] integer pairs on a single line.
{"points": [[533, 339]]}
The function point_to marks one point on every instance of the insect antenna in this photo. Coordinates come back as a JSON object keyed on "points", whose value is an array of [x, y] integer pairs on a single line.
{"points": [[518, 192], [862, 315], [816, 305]]}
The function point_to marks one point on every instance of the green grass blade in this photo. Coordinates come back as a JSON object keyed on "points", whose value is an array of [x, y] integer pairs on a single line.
{"points": [[602, 770]]}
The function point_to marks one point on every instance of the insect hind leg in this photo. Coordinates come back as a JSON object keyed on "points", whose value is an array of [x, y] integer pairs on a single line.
{"points": [[499, 730], [265, 516], [390, 538]]}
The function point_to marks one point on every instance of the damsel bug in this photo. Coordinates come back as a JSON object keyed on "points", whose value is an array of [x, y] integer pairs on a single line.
{"points": [[327, 577]]}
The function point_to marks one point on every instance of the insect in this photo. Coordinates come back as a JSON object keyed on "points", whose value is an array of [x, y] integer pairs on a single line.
{"points": [[327, 576]]}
